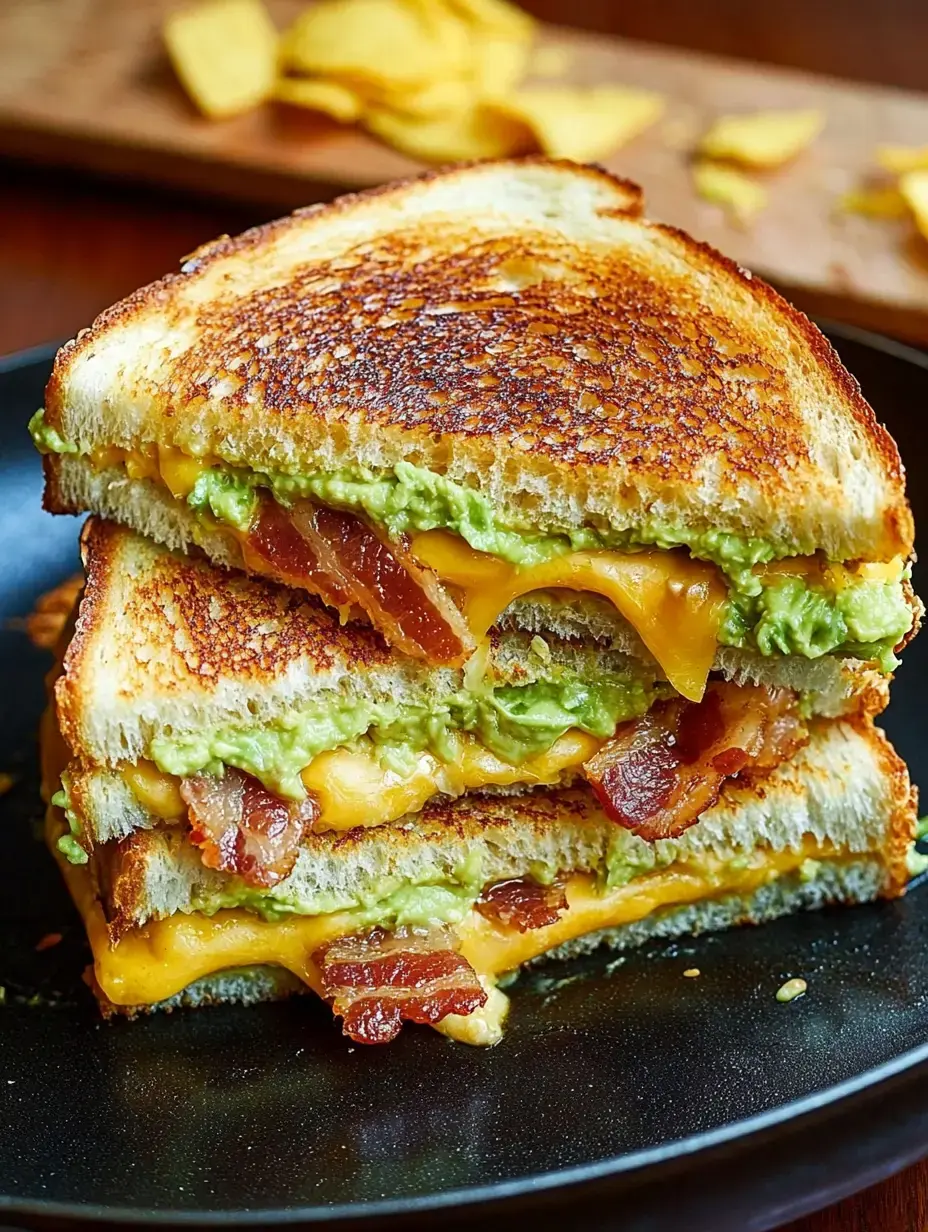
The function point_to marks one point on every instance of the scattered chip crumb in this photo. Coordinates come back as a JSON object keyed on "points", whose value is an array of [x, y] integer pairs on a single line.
{"points": [[691, 973], [762, 138], [791, 990], [883, 201], [6, 782], [49, 940], [899, 159], [741, 196]]}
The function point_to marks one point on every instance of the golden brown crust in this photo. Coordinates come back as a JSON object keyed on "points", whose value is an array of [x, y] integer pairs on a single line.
{"points": [[196, 625], [576, 360], [904, 820]]}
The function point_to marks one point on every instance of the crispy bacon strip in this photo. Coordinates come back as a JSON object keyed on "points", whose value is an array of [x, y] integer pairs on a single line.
{"points": [[522, 904], [341, 558], [288, 556], [242, 828], [405, 602], [375, 981], [660, 772]]}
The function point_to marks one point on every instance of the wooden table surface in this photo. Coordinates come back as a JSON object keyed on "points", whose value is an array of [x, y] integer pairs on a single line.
{"points": [[69, 247]]}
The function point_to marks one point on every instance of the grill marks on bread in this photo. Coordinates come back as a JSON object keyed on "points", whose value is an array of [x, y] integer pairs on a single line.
{"points": [[549, 346], [520, 326]]}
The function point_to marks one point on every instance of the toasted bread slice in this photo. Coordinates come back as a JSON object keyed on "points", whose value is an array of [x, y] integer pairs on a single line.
{"points": [[833, 825], [169, 644], [846, 789], [516, 326]]}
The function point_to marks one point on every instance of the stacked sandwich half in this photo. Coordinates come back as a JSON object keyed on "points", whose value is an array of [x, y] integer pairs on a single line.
{"points": [[486, 572]]}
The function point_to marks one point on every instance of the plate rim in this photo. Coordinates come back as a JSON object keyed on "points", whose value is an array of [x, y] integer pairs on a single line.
{"points": [[741, 1130]]}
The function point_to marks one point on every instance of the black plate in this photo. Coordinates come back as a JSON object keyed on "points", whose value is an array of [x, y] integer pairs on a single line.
{"points": [[623, 1094]]}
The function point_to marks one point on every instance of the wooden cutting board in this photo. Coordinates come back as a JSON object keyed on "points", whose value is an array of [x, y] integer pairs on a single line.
{"points": [[85, 83]]}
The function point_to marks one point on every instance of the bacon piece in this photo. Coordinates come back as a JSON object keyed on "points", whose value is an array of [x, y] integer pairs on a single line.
{"points": [[659, 773], [277, 542], [522, 904], [344, 560], [377, 980], [242, 828], [406, 602]]}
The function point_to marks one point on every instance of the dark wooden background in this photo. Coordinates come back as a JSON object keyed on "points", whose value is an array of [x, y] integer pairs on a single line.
{"points": [[69, 246]]}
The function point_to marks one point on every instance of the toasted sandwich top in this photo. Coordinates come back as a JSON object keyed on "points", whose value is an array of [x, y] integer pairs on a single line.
{"points": [[520, 328]]}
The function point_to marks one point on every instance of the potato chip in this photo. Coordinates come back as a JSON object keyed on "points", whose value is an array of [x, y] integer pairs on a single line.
{"points": [[496, 17], [899, 159], [225, 54], [499, 65], [476, 132], [914, 188], [762, 138], [583, 124], [550, 61], [437, 98], [317, 94], [394, 44], [741, 196], [883, 201]]}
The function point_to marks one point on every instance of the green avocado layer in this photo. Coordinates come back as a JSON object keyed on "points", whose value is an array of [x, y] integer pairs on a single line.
{"points": [[513, 721], [784, 615], [392, 902]]}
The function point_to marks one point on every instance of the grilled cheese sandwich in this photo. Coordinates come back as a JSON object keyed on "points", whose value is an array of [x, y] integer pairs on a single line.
{"points": [[835, 824]]}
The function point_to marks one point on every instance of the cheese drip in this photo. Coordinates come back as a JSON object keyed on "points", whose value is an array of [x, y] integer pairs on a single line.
{"points": [[160, 959], [673, 602]]}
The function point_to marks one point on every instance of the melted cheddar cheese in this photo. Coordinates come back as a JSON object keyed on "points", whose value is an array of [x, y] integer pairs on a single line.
{"points": [[354, 789], [673, 602], [160, 959], [173, 468]]}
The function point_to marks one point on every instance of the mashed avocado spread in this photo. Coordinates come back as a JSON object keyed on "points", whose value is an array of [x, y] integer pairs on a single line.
{"points": [[778, 615], [513, 721], [447, 899]]}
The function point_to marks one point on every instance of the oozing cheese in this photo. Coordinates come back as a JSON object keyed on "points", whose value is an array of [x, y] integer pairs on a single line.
{"points": [[175, 469], [673, 602], [159, 793], [156, 961], [354, 789]]}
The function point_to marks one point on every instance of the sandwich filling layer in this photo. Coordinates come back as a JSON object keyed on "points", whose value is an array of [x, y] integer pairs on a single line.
{"points": [[502, 927], [654, 776], [418, 923], [378, 542]]}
